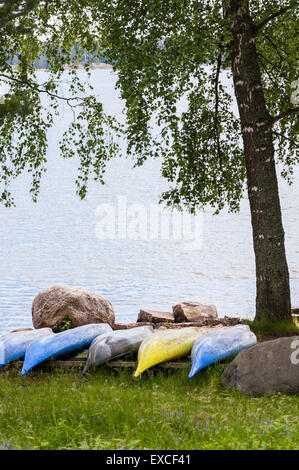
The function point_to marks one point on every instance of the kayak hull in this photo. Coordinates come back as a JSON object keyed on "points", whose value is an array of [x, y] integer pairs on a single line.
{"points": [[165, 346], [219, 345], [61, 344], [13, 345], [115, 344]]}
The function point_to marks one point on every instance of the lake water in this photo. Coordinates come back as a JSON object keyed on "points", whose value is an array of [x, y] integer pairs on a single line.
{"points": [[55, 241]]}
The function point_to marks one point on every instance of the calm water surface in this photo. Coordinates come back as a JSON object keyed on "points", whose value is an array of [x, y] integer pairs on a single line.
{"points": [[54, 241]]}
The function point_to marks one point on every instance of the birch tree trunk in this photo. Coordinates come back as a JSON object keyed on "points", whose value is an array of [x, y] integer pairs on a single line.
{"points": [[272, 275]]}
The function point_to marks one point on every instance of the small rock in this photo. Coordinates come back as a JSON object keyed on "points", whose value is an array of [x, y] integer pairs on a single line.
{"points": [[230, 321], [51, 306], [272, 366], [193, 311], [154, 316], [161, 328]]}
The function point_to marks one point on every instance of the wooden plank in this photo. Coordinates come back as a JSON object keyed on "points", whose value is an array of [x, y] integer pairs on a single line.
{"points": [[60, 364], [132, 364], [173, 365], [65, 364], [77, 363]]}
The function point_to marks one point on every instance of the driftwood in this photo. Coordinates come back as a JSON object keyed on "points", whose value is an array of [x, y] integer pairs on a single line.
{"points": [[127, 326], [207, 322]]}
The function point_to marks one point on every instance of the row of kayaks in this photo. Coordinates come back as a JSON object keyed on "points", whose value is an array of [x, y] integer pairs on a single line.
{"points": [[39, 346]]}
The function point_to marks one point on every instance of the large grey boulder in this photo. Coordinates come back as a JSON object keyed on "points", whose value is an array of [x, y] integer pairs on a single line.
{"points": [[52, 306], [272, 366]]}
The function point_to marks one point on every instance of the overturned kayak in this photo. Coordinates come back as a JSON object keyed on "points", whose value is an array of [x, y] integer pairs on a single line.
{"points": [[219, 345], [13, 345], [65, 343], [115, 344], [164, 346]]}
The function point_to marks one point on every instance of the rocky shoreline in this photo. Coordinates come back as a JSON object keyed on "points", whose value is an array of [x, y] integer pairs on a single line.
{"points": [[63, 307]]}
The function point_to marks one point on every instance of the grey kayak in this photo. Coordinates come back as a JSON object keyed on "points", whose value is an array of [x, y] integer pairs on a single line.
{"points": [[111, 345]]}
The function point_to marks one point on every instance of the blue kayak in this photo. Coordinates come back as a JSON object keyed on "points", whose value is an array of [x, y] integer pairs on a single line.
{"points": [[69, 342], [13, 345], [220, 344]]}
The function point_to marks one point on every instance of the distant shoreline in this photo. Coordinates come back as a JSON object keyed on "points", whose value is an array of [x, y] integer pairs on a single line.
{"points": [[93, 66]]}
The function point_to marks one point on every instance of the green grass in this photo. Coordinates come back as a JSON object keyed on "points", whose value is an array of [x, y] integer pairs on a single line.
{"points": [[165, 410], [265, 329]]}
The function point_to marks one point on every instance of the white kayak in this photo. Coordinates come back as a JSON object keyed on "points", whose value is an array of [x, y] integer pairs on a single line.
{"points": [[13, 345], [115, 344]]}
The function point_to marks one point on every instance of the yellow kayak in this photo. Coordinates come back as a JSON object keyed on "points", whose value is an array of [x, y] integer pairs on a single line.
{"points": [[164, 346]]}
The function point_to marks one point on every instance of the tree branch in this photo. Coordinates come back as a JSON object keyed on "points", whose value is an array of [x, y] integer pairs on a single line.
{"points": [[277, 50], [272, 79], [18, 11], [287, 138], [285, 114], [34, 86], [271, 17]]}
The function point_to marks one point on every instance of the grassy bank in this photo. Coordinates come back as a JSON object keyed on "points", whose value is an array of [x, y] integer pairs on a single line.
{"points": [[165, 410], [266, 330]]}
